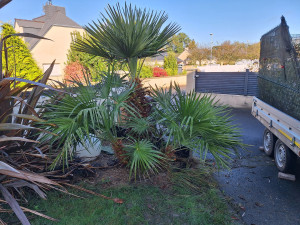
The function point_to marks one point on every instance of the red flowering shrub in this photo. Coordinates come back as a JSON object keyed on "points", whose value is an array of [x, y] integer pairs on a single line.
{"points": [[159, 72], [74, 70]]}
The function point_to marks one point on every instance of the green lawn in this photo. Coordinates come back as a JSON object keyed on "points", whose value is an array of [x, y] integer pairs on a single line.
{"points": [[142, 205]]}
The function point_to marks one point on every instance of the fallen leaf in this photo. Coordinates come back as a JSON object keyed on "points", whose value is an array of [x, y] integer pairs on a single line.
{"points": [[118, 200]]}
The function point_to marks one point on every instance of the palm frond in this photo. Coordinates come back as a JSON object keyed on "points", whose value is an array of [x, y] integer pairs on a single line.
{"points": [[127, 33], [145, 159], [197, 122]]}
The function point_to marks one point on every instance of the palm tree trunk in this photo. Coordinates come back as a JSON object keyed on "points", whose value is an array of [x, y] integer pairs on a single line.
{"points": [[132, 64]]}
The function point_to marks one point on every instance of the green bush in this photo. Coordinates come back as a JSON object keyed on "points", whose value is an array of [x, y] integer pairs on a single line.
{"points": [[170, 64], [20, 60], [170, 72], [184, 72], [94, 65], [196, 122], [146, 72]]}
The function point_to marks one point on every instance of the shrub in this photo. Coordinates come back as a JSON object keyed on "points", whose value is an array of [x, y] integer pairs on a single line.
{"points": [[159, 72], [20, 59], [170, 64], [170, 72], [184, 72], [74, 70], [146, 72], [197, 123], [94, 65]]}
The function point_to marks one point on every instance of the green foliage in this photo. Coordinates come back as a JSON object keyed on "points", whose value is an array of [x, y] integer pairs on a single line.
{"points": [[144, 158], [179, 42], [146, 71], [192, 45], [184, 72], [199, 53], [196, 122], [143, 204], [20, 60], [88, 111], [229, 53], [127, 34], [170, 64], [94, 65]]}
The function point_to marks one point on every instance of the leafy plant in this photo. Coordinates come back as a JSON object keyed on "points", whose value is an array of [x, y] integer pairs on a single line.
{"points": [[144, 158], [146, 72], [170, 64], [74, 70], [196, 122], [127, 34], [94, 65], [159, 72], [85, 112], [19, 61]]}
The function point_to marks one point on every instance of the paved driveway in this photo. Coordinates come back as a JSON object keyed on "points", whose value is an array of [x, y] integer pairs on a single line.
{"points": [[252, 182]]}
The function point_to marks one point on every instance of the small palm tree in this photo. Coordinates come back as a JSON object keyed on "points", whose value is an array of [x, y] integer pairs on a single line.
{"points": [[127, 34]]}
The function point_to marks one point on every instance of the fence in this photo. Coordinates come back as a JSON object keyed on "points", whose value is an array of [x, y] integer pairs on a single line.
{"points": [[233, 83]]}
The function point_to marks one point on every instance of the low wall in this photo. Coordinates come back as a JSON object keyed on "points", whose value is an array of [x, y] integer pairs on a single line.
{"points": [[234, 101], [164, 81]]}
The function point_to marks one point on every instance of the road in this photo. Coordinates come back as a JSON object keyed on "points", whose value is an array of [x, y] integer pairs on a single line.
{"points": [[253, 184]]}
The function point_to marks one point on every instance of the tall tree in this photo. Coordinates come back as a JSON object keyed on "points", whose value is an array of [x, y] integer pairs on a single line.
{"points": [[192, 45], [229, 53], [199, 53], [20, 61], [179, 42]]}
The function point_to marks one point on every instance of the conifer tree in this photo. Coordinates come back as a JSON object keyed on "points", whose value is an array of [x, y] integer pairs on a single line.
{"points": [[170, 64], [20, 61]]}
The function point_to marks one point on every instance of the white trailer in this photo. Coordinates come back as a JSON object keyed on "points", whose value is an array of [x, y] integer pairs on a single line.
{"points": [[282, 134]]}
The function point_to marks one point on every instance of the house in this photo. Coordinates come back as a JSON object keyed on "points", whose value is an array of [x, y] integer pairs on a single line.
{"points": [[184, 56], [158, 60], [54, 25]]}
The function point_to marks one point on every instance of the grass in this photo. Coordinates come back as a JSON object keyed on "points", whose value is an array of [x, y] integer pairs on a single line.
{"points": [[193, 200], [143, 205]]}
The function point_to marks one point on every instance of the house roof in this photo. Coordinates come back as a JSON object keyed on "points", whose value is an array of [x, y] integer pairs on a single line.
{"points": [[184, 55], [29, 23], [159, 57], [54, 16]]}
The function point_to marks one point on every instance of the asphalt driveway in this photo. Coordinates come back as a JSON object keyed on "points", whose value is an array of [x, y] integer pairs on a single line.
{"points": [[253, 184]]}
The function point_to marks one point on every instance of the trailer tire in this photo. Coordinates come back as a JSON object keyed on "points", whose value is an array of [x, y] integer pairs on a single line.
{"points": [[284, 157], [269, 142]]}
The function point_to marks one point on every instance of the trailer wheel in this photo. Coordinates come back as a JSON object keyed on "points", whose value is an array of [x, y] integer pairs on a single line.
{"points": [[269, 141], [284, 158]]}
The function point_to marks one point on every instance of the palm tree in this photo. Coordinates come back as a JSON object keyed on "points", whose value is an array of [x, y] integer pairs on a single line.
{"points": [[127, 34]]}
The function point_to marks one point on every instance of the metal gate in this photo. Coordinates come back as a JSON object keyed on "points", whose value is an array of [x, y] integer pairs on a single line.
{"points": [[233, 83]]}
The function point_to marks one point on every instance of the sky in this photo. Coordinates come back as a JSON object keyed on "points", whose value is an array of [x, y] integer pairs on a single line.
{"points": [[234, 20]]}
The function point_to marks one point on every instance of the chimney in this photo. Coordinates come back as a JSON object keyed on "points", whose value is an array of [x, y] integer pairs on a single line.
{"points": [[50, 10]]}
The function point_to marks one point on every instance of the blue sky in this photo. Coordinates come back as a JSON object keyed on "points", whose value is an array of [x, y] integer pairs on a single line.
{"points": [[235, 20]]}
